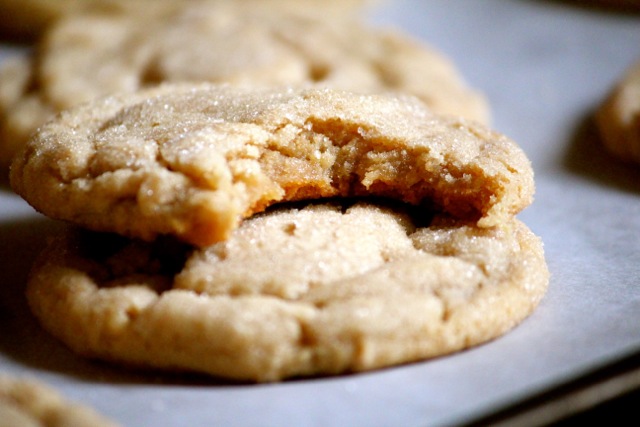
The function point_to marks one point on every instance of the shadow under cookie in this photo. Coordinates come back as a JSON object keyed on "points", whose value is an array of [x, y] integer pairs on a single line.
{"points": [[600, 6], [28, 344], [588, 157]]}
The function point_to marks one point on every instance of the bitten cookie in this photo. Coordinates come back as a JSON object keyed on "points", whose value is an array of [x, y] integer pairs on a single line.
{"points": [[245, 43], [193, 161], [618, 118], [295, 291], [29, 403]]}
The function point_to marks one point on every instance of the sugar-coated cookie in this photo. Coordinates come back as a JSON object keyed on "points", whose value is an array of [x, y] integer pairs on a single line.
{"points": [[248, 42], [193, 161], [304, 290]]}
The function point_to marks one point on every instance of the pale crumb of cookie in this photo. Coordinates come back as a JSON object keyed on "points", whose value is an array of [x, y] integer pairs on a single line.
{"points": [[193, 161], [618, 118], [26, 402], [296, 291], [269, 43]]}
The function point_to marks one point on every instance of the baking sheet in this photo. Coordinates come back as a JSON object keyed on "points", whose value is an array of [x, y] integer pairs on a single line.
{"points": [[544, 67]]}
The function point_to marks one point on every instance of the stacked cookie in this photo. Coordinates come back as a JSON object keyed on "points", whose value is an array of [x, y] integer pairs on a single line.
{"points": [[295, 226]]}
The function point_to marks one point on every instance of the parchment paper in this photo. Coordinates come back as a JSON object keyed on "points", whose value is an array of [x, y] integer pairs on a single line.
{"points": [[544, 67]]}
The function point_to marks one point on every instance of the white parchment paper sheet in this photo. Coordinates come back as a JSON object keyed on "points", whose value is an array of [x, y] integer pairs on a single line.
{"points": [[544, 66]]}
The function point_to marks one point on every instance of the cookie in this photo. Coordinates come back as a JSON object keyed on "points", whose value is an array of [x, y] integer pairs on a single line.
{"points": [[316, 289], [26, 111], [92, 55], [192, 161], [30, 403], [618, 118]]}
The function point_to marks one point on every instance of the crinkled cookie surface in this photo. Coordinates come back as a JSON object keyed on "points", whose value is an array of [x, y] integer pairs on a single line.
{"points": [[246, 43], [193, 161], [296, 291]]}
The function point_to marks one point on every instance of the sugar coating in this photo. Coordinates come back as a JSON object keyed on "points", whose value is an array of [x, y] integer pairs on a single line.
{"points": [[26, 402], [296, 291], [248, 42], [618, 118], [193, 161]]}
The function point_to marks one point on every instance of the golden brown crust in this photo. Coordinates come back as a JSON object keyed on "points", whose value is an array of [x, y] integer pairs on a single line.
{"points": [[193, 161]]}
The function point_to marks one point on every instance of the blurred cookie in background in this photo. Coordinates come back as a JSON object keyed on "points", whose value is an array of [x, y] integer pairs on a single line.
{"points": [[243, 43], [26, 20], [618, 118], [27, 402]]}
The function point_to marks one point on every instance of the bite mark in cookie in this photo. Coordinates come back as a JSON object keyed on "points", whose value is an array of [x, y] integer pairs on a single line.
{"points": [[193, 161]]}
